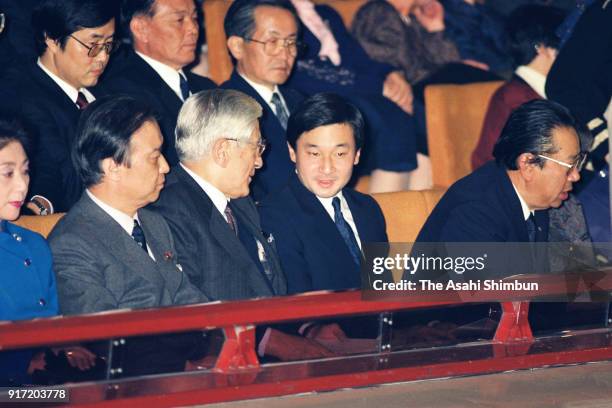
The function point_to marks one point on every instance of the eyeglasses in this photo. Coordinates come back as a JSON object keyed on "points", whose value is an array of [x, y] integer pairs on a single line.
{"points": [[274, 46], [260, 145], [95, 49], [578, 163]]}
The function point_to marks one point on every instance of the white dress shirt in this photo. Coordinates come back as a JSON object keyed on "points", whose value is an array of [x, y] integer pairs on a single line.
{"points": [[68, 89], [168, 74], [220, 201], [346, 212], [534, 79], [526, 211], [125, 221], [266, 94]]}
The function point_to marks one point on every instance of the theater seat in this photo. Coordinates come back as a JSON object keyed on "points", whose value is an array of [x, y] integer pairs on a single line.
{"points": [[43, 224], [454, 115], [406, 211]]}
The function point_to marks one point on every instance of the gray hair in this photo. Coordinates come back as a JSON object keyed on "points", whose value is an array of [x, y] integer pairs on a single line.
{"points": [[210, 115]]}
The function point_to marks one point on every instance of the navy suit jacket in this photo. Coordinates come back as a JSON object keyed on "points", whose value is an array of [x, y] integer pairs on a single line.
{"points": [[51, 118], [483, 207], [130, 74], [277, 165], [312, 252]]}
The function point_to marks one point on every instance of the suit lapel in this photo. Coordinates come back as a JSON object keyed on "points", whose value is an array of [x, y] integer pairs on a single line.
{"points": [[119, 243], [360, 217]]}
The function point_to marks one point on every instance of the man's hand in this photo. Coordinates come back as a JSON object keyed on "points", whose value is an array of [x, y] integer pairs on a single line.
{"points": [[287, 347], [399, 91], [430, 14], [78, 356], [326, 332]]}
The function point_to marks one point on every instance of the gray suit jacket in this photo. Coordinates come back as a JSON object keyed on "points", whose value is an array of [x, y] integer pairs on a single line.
{"points": [[100, 267], [217, 262]]}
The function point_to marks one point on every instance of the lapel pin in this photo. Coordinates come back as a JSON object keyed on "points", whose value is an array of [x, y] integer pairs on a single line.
{"points": [[168, 255]]}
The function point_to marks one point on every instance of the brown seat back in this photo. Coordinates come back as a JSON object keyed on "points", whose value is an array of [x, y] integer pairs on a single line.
{"points": [[43, 224]]}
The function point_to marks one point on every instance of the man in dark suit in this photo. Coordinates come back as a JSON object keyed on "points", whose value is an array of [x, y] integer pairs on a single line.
{"points": [[214, 221], [110, 253], [263, 40], [537, 159], [320, 226], [164, 36], [74, 40]]}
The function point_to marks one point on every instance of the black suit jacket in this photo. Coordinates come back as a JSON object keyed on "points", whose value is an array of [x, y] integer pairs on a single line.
{"points": [[484, 208], [51, 118], [214, 258], [130, 74], [277, 165], [313, 254]]}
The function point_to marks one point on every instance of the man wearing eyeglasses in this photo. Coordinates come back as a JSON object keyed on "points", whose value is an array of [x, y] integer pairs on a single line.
{"points": [[164, 39], [263, 41], [537, 160], [74, 39]]}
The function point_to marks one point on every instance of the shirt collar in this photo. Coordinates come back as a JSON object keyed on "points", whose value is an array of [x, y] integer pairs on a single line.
{"points": [[68, 89], [125, 221], [168, 74], [526, 211], [262, 90], [219, 199], [533, 78], [327, 203]]}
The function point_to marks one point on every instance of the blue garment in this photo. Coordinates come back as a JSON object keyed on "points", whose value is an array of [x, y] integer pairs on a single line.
{"points": [[391, 136], [477, 33], [27, 291], [313, 254], [595, 198]]}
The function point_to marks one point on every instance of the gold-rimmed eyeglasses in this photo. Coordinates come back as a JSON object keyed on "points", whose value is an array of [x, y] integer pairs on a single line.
{"points": [[94, 50], [274, 46], [577, 164], [260, 145]]}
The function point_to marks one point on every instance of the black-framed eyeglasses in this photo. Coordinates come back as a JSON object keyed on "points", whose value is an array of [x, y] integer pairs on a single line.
{"points": [[260, 145], [95, 49], [578, 164], [274, 46]]}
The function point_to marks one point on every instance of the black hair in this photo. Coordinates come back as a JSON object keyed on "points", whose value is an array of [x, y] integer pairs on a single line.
{"points": [[131, 9], [240, 18], [57, 19], [529, 130], [530, 26], [105, 129], [324, 109], [11, 130]]}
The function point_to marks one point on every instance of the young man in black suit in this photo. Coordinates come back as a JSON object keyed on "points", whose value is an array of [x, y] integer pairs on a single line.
{"points": [[320, 226], [74, 39]]}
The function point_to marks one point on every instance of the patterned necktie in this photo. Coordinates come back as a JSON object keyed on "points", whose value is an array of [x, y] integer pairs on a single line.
{"points": [[281, 112], [138, 235], [184, 86], [81, 101], [531, 228], [231, 221], [346, 231]]}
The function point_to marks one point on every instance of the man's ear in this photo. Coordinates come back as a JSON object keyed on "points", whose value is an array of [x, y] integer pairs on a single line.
{"points": [[139, 27], [357, 156], [292, 154], [52, 45], [221, 152], [526, 167], [235, 45], [112, 170]]}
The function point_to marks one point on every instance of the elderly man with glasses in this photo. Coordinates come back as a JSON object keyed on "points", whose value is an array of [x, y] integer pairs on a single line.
{"points": [[74, 39], [263, 41]]}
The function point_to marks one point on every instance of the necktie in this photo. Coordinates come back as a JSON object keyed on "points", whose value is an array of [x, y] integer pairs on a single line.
{"points": [[184, 86], [138, 235], [345, 230], [231, 221], [281, 113], [531, 228], [81, 101]]}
